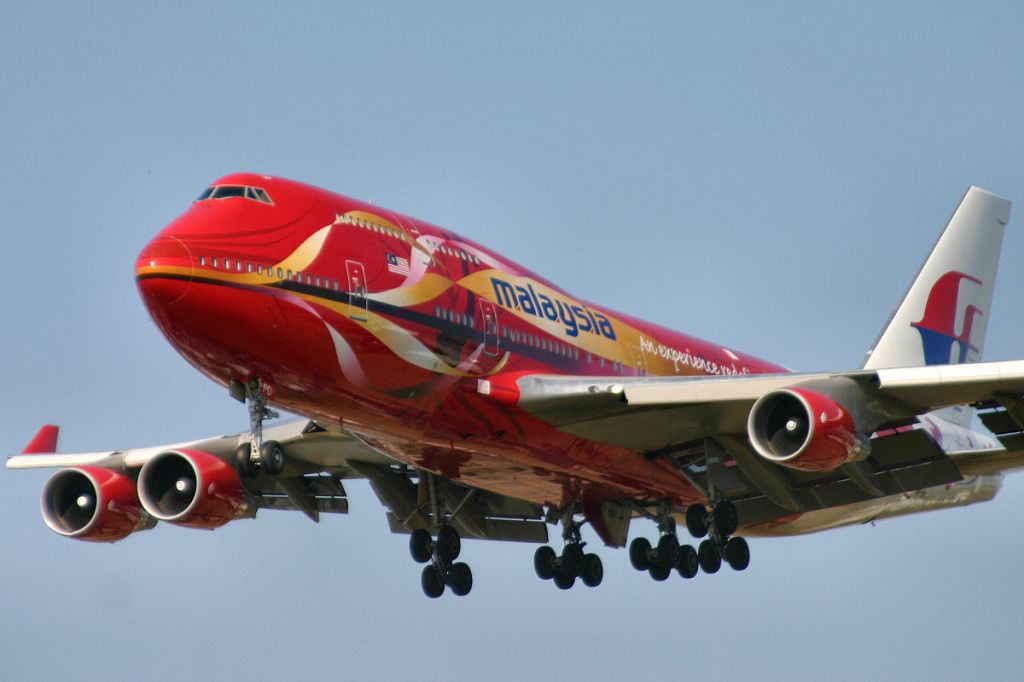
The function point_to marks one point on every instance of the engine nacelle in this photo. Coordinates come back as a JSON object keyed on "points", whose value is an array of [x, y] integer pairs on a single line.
{"points": [[191, 488], [803, 429], [92, 503]]}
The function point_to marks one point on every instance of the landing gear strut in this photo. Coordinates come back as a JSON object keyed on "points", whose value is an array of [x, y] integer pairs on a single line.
{"points": [[573, 563], [257, 457]]}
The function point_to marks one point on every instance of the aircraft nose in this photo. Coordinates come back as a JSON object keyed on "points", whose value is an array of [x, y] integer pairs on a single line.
{"points": [[163, 271]]}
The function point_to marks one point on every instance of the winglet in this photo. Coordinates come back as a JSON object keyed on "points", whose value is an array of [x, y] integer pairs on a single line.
{"points": [[44, 442]]}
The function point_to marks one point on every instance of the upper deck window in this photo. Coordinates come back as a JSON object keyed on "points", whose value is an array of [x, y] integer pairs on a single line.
{"points": [[231, 191]]}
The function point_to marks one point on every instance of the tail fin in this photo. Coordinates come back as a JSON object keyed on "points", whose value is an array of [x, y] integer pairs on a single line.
{"points": [[943, 318]]}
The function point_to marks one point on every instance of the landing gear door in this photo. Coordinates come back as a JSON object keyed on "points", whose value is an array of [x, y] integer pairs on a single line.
{"points": [[489, 318], [357, 289]]}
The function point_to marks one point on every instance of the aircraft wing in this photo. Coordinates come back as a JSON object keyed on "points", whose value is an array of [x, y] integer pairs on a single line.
{"points": [[701, 425], [647, 413], [319, 457]]}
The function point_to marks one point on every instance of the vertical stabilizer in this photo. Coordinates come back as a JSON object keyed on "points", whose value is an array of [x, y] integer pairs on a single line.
{"points": [[943, 318]]}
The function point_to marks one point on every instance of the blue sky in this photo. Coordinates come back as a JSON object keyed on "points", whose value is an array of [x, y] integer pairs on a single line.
{"points": [[768, 177]]}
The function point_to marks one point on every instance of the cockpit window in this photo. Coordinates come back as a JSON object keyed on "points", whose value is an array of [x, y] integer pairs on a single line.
{"points": [[230, 191]]}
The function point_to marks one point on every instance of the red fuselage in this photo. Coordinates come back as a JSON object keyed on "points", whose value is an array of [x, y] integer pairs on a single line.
{"points": [[382, 324]]}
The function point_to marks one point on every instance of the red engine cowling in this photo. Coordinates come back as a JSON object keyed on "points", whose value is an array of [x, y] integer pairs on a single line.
{"points": [[92, 503], [191, 488], [803, 429]]}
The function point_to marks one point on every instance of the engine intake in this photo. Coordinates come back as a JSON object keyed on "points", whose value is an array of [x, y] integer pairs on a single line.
{"points": [[803, 429], [191, 488], [92, 503]]}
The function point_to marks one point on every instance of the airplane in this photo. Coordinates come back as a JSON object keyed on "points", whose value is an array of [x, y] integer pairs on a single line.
{"points": [[480, 400]]}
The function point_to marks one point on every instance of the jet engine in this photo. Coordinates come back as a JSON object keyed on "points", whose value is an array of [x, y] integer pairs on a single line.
{"points": [[191, 488], [92, 503], [803, 429]]}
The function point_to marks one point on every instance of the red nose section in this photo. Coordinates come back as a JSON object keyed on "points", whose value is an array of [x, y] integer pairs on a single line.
{"points": [[164, 272]]}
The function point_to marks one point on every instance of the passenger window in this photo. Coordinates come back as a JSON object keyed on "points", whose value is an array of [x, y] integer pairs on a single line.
{"points": [[202, 260], [214, 262], [280, 273]]}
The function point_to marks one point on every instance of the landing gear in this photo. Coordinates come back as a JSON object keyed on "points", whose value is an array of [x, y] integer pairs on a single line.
{"points": [[659, 561], [573, 563], [440, 554], [257, 457], [715, 526], [719, 525]]}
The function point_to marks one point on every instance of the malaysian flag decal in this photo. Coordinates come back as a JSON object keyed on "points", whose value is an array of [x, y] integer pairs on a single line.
{"points": [[398, 265]]}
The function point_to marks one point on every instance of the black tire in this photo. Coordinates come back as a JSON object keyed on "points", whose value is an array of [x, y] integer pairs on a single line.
{"points": [[726, 518], [639, 550], [272, 458], [708, 557], [544, 562], [737, 553], [688, 565], [697, 520], [668, 551], [243, 461], [460, 577], [421, 546], [593, 570], [431, 582], [659, 572], [448, 545], [563, 580], [572, 559]]}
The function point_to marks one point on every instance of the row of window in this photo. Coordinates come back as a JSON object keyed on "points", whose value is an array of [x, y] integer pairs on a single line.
{"points": [[440, 312], [454, 252], [236, 265]]}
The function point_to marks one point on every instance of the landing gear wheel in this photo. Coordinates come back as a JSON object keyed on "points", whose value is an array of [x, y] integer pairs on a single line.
{"points": [[726, 518], [243, 461], [687, 566], [668, 551], [563, 580], [708, 557], [431, 582], [697, 520], [593, 570], [272, 458], [448, 545], [638, 553], [461, 579], [420, 546], [659, 572], [737, 553], [572, 559], [544, 562]]}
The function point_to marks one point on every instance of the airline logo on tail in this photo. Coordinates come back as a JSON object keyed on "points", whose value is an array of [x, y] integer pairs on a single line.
{"points": [[938, 325]]}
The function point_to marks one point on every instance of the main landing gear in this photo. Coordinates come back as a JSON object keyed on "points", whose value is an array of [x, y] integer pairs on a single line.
{"points": [[257, 457], [718, 526], [668, 554], [440, 552], [573, 563]]}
